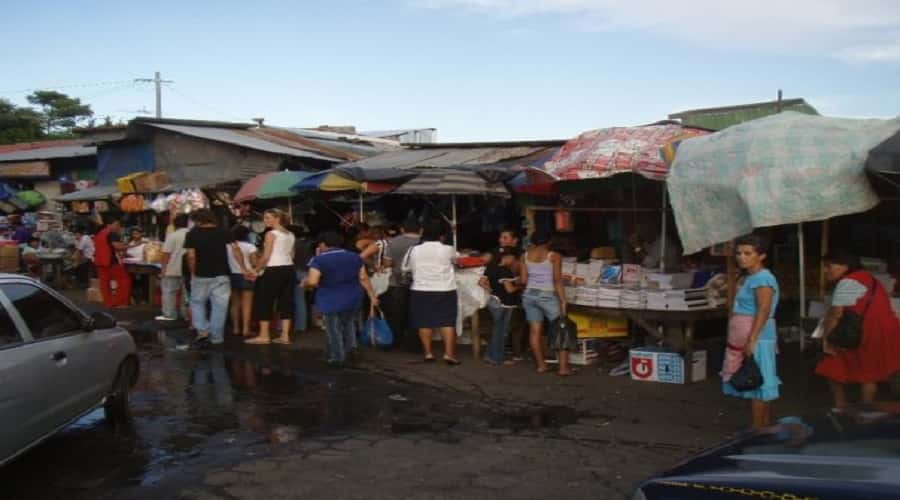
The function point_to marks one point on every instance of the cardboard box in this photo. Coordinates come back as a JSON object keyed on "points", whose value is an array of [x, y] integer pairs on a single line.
{"points": [[151, 183], [650, 364], [126, 184], [595, 326], [94, 295]]}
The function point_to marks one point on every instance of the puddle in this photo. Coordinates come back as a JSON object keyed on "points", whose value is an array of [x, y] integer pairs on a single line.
{"points": [[552, 417], [195, 410]]}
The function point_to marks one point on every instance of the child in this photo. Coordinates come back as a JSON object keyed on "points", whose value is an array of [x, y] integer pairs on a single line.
{"points": [[501, 281]]}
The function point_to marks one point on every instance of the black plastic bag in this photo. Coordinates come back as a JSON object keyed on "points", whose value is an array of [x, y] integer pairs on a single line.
{"points": [[748, 377]]}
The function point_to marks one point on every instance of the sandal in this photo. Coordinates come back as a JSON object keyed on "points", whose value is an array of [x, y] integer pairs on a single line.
{"points": [[546, 369], [258, 341], [571, 372], [451, 361], [281, 341], [429, 359]]}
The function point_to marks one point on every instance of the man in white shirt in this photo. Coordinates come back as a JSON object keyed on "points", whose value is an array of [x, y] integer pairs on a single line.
{"points": [[84, 256], [172, 279]]}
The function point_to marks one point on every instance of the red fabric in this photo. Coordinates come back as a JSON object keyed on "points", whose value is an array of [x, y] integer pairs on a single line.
{"points": [[103, 252], [878, 357], [116, 273]]}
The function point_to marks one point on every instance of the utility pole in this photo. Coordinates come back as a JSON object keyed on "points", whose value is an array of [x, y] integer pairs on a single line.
{"points": [[158, 81]]}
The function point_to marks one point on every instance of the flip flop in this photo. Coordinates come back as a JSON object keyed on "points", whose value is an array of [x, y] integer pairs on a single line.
{"points": [[281, 341], [257, 341], [452, 362], [429, 359], [543, 370], [571, 372]]}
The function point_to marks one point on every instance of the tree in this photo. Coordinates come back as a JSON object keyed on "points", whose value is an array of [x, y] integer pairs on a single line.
{"points": [[19, 124], [60, 112]]}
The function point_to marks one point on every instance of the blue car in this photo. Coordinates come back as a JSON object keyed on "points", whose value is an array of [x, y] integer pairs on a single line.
{"points": [[846, 455]]}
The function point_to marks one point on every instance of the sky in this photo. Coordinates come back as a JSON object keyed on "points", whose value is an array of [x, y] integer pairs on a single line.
{"points": [[476, 70]]}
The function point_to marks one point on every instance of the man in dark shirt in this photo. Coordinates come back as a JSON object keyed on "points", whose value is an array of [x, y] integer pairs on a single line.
{"points": [[207, 246], [501, 282]]}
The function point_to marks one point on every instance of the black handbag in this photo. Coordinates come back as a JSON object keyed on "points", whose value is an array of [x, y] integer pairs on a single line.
{"points": [[849, 330], [748, 377]]}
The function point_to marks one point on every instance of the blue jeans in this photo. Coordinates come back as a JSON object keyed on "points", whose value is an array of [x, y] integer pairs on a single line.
{"points": [[502, 318], [170, 286], [540, 305], [340, 332], [216, 290], [300, 309]]}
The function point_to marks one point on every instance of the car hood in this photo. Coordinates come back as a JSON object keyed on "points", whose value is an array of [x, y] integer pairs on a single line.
{"points": [[857, 446]]}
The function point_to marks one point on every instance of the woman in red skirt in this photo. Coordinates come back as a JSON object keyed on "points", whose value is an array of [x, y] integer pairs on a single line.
{"points": [[878, 355]]}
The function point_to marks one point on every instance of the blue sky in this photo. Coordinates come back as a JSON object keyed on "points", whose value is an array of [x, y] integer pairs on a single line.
{"points": [[474, 69]]}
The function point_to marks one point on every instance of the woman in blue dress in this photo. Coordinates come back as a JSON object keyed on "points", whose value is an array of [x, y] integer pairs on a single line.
{"points": [[751, 328]]}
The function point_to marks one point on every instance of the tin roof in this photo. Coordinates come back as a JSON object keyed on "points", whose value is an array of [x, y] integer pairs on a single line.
{"points": [[454, 155], [45, 150]]}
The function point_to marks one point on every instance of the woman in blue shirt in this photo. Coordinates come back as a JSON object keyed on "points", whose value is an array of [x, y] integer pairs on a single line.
{"points": [[340, 278], [751, 328]]}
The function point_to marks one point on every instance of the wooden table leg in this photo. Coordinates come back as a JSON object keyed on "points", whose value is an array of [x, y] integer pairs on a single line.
{"points": [[476, 335], [688, 330], [151, 280]]}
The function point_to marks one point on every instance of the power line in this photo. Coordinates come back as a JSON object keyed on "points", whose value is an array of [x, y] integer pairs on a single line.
{"points": [[66, 86], [205, 105]]}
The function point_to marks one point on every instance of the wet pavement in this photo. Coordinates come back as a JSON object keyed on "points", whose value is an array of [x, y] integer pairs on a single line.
{"points": [[196, 410]]}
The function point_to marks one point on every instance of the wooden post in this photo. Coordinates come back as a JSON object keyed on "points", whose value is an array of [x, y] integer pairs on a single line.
{"points": [[823, 251], [731, 275]]}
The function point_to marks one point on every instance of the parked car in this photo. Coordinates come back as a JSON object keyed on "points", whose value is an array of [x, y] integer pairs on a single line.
{"points": [[850, 454], [56, 364]]}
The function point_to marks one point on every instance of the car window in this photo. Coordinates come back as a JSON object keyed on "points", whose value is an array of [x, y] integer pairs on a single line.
{"points": [[44, 314], [9, 334]]}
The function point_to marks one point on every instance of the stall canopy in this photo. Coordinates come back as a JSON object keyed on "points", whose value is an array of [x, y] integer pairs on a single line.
{"points": [[453, 182], [270, 185], [782, 169], [610, 151]]}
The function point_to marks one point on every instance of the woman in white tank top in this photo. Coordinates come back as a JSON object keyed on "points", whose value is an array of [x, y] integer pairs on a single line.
{"points": [[544, 297], [273, 294]]}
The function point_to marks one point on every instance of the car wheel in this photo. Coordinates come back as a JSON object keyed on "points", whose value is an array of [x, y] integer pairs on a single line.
{"points": [[117, 408]]}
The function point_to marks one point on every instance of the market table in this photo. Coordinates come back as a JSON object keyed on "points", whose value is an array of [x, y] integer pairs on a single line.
{"points": [[644, 318], [55, 262], [145, 269]]}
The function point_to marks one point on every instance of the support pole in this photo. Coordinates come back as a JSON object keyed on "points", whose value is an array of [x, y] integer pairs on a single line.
{"points": [[801, 244], [453, 223], [823, 251], [362, 213], [291, 211], [662, 245]]}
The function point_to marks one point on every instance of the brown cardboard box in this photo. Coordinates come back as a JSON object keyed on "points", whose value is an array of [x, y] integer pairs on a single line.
{"points": [[94, 295]]}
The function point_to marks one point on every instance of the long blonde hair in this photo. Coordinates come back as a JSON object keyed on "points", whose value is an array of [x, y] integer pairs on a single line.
{"points": [[278, 214]]}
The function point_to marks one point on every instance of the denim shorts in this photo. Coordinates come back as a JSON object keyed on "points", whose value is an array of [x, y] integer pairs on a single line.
{"points": [[540, 305]]}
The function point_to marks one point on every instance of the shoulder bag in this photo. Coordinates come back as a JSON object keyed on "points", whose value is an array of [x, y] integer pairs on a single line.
{"points": [[849, 330], [748, 377]]}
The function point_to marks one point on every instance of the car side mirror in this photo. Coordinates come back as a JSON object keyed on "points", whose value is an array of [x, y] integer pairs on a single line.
{"points": [[100, 321]]}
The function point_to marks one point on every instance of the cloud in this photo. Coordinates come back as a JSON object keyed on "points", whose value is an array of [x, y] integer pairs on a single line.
{"points": [[854, 30]]}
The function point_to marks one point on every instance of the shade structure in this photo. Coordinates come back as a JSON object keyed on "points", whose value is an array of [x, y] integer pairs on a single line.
{"points": [[782, 169], [452, 182], [270, 185], [610, 151], [445, 181]]}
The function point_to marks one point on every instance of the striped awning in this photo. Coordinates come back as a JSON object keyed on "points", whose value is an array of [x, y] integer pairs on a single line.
{"points": [[448, 181]]}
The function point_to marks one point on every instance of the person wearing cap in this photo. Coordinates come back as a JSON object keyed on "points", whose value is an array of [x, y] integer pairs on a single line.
{"points": [[501, 281]]}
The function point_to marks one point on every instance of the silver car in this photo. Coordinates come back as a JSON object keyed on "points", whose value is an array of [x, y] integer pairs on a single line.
{"points": [[56, 364]]}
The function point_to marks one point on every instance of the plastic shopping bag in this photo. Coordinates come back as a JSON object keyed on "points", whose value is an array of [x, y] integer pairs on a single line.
{"points": [[376, 332]]}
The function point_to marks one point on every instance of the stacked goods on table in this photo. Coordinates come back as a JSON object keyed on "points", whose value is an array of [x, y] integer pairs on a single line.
{"points": [[633, 298], [677, 300], [49, 221], [126, 184]]}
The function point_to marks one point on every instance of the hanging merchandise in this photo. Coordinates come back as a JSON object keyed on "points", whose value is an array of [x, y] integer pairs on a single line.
{"points": [[153, 252], [159, 204], [132, 203], [7, 208], [32, 199], [6, 192], [563, 219]]}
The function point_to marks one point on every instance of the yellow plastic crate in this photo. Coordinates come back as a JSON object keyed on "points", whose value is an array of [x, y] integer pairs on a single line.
{"points": [[126, 184], [593, 326]]}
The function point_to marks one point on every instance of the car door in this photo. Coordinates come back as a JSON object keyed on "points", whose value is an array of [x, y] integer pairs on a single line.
{"points": [[21, 398], [59, 349]]}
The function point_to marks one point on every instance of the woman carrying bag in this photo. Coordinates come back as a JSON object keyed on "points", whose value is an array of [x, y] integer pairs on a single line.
{"points": [[876, 354], [751, 329]]}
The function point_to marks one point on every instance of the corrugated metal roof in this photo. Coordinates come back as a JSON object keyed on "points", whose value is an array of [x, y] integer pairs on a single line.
{"points": [[48, 153], [241, 138], [436, 157], [89, 194]]}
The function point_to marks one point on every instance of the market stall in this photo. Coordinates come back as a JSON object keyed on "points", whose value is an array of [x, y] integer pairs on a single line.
{"points": [[617, 174], [786, 169]]}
